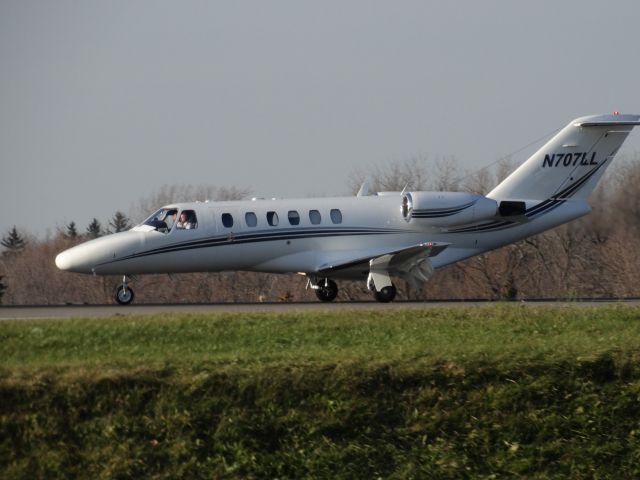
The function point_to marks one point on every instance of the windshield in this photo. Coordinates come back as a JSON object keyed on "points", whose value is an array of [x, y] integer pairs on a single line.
{"points": [[162, 220]]}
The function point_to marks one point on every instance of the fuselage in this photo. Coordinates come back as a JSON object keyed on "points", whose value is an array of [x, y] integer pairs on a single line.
{"points": [[304, 235]]}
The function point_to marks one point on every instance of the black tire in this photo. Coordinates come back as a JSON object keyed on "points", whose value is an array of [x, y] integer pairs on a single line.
{"points": [[328, 290], [124, 296], [386, 295]]}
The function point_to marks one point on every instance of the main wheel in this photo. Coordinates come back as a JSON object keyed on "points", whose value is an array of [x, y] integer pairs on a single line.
{"points": [[386, 295], [327, 291], [124, 295]]}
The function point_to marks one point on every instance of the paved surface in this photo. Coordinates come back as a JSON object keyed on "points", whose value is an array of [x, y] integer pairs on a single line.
{"points": [[96, 311]]}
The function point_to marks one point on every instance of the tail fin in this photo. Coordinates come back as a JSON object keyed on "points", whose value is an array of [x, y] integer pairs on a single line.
{"points": [[571, 163]]}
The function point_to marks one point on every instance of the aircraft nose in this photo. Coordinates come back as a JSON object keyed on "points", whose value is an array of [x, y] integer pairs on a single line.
{"points": [[91, 256], [63, 260], [71, 260], [80, 258]]}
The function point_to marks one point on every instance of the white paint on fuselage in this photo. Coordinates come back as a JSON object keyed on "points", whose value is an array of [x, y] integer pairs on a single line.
{"points": [[375, 222]]}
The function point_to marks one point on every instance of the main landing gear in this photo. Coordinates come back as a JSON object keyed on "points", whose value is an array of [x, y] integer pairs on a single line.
{"points": [[124, 294], [386, 294], [327, 291]]}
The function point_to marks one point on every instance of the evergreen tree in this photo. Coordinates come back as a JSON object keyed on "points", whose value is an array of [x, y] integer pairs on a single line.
{"points": [[13, 242], [94, 230], [119, 222], [72, 232]]}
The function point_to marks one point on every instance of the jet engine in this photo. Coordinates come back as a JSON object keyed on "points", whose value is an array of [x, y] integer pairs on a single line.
{"points": [[447, 209]]}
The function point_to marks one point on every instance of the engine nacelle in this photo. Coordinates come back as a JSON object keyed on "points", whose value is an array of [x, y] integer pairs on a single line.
{"points": [[447, 209]]}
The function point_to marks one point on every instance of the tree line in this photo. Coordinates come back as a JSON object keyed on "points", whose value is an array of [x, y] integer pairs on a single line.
{"points": [[595, 256]]}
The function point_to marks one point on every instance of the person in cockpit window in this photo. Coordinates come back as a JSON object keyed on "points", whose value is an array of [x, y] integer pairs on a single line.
{"points": [[186, 220]]}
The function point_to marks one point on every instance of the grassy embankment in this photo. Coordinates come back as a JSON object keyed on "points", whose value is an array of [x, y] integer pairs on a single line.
{"points": [[436, 393]]}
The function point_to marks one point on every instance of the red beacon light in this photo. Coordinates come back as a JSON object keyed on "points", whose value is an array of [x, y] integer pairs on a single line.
{"points": [[616, 113]]}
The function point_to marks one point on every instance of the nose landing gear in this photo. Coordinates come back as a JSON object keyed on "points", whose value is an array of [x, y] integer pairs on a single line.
{"points": [[326, 289], [124, 294]]}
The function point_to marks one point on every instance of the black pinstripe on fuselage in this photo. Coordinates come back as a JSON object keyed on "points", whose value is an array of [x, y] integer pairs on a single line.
{"points": [[243, 237]]}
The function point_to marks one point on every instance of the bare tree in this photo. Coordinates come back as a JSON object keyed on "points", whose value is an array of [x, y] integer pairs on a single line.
{"points": [[503, 168], [393, 176], [480, 182], [446, 176]]}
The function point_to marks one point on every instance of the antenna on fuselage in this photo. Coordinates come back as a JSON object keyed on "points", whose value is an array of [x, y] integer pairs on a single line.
{"points": [[364, 190]]}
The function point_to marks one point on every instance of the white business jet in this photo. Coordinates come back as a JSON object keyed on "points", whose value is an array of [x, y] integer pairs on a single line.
{"points": [[372, 237]]}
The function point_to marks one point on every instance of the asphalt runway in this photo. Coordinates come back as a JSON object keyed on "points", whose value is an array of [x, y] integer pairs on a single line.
{"points": [[103, 311]]}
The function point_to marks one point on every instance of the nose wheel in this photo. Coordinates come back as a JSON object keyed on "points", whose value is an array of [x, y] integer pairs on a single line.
{"points": [[326, 290], [124, 294]]}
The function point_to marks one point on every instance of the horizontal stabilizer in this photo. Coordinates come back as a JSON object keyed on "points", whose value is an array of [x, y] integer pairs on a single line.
{"points": [[611, 123]]}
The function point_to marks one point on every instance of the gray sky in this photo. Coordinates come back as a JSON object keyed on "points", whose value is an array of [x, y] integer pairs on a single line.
{"points": [[101, 102]]}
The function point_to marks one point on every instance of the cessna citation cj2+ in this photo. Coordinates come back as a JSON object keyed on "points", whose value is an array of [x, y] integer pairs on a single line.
{"points": [[369, 237]]}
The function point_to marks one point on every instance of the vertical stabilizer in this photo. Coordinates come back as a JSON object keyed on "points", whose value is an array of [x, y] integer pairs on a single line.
{"points": [[571, 163]]}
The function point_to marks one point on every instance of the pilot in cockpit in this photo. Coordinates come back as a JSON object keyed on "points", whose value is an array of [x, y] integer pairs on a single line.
{"points": [[186, 220]]}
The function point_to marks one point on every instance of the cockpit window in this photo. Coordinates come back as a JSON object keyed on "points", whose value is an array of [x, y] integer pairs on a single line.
{"points": [[162, 220], [187, 220]]}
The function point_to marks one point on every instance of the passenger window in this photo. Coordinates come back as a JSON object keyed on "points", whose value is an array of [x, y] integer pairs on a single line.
{"points": [[314, 217], [272, 218], [336, 215], [250, 219], [294, 217], [227, 220], [187, 220]]}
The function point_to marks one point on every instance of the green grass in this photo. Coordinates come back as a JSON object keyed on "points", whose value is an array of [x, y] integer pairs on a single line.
{"points": [[490, 392], [510, 332]]}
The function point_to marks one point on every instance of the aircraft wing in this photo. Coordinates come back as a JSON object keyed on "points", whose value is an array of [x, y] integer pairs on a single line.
{"points": [[410, 263]]}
